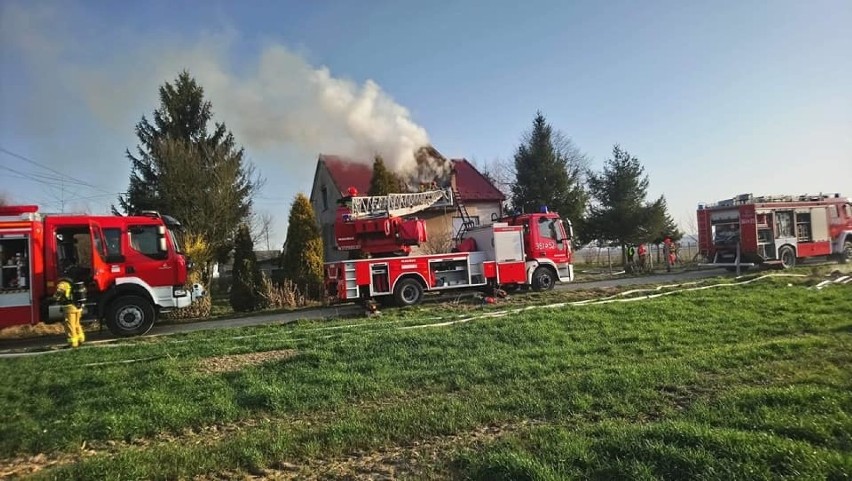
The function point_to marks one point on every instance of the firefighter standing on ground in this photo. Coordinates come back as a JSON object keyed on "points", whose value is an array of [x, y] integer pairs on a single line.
{"points": [[72, 308], [631, 251], [669, 253]]}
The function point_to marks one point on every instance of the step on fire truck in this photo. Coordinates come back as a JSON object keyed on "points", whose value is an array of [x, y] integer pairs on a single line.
{"points": [[523, 250], [132, 267], [775, 229]]}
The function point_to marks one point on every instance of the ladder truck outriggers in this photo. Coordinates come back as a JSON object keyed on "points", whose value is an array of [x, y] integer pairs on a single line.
{"points": [[532, 249], [747, 230]]}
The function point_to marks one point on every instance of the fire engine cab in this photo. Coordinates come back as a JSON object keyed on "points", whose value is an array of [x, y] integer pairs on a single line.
{"points": [[132, 267], [523, 250], [775, 228]]}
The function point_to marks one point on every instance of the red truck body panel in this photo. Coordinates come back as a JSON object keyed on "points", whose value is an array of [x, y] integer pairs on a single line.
{"points": [[103, 251], [764, 227]]}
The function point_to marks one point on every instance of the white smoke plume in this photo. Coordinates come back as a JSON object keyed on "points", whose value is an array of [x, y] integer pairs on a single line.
{"points": [[279, 100], [286, 100]]}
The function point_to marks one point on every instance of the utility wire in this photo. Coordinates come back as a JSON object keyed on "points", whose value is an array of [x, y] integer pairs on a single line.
{"points": [[33, 162], [42, 178]]}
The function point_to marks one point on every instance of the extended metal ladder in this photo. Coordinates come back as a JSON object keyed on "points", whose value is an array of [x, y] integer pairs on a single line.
{"points": [[467, 221], [399, 205]]}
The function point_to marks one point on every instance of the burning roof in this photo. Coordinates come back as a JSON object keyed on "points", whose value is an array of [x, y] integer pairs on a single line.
{"points": [[432, 166]]}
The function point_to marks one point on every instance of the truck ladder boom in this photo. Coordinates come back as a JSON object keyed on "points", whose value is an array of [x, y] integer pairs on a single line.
{"points": [[399, 205]]}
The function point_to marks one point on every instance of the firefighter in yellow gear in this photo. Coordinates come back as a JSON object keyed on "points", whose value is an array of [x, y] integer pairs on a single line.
{"points": [[73, 309]]}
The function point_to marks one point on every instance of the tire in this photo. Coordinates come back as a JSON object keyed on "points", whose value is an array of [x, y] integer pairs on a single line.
{"points": [[408, 292], [130, 316], [543, 279], [787, 256], [846, 254]]}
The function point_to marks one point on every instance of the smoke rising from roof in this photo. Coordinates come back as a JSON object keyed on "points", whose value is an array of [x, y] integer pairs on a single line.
{"points": [[287, 100], [278, 99]]}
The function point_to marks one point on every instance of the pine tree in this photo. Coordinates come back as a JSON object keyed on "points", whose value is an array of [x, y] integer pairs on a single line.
{"points": [[182, 169], [548, 172], [384, 181], [661, 224], [302, 260], [620, 212], [247, 281]]}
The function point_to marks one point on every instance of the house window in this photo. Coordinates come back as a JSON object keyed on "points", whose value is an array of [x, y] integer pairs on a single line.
{"points": [[324, 198]]}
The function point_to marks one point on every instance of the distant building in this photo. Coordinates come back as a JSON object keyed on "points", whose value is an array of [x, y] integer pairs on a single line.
{"points": [[335, 174], [267, 261]]}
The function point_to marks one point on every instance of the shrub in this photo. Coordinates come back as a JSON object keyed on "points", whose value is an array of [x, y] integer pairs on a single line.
{"points": [[245, 289], [278, 295], [199, 251]]}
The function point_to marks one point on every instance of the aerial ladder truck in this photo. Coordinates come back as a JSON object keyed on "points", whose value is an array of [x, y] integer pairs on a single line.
{"points": [[532, 249]]}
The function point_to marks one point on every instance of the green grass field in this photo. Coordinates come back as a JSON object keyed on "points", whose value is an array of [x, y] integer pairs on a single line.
{"points": [[746, 382]]}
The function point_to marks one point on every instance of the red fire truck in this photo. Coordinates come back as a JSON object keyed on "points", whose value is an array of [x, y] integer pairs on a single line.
{"points": [[523, 250], [132, 267], [775, 228]]}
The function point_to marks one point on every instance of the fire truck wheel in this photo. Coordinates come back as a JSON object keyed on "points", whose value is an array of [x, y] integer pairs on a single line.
{"points": [[787, 256], [542, 279], [846, 255], [407, 292], [130, 316]]}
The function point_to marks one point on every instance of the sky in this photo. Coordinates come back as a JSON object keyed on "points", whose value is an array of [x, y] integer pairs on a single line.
{"points": [[714, 98]]}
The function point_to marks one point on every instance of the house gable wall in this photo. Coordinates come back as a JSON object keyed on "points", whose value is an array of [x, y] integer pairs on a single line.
{"points": [[324, 197]]}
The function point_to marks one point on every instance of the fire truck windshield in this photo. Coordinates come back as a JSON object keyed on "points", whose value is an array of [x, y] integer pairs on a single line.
{"points": [[549, 228]]}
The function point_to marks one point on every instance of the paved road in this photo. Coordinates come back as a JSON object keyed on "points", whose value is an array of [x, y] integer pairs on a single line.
{"points": [[661, 278], [22, 347]]}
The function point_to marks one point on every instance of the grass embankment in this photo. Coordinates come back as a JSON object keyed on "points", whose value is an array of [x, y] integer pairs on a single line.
{"points": [[741, 382]]}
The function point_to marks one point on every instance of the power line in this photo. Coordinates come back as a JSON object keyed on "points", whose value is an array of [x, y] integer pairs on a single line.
{"points": [[41, 178], [67, 192], [33, 162]]}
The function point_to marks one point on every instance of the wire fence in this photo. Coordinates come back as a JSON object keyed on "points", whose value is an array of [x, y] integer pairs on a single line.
{"points": [[687, 253]]}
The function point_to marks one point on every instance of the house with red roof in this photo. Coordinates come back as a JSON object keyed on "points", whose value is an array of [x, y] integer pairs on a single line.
{"points": [[334, 176]]}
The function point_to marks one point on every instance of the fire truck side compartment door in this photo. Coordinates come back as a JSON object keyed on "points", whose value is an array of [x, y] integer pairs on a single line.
{"points": [[508, 244], [819, 224]]}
